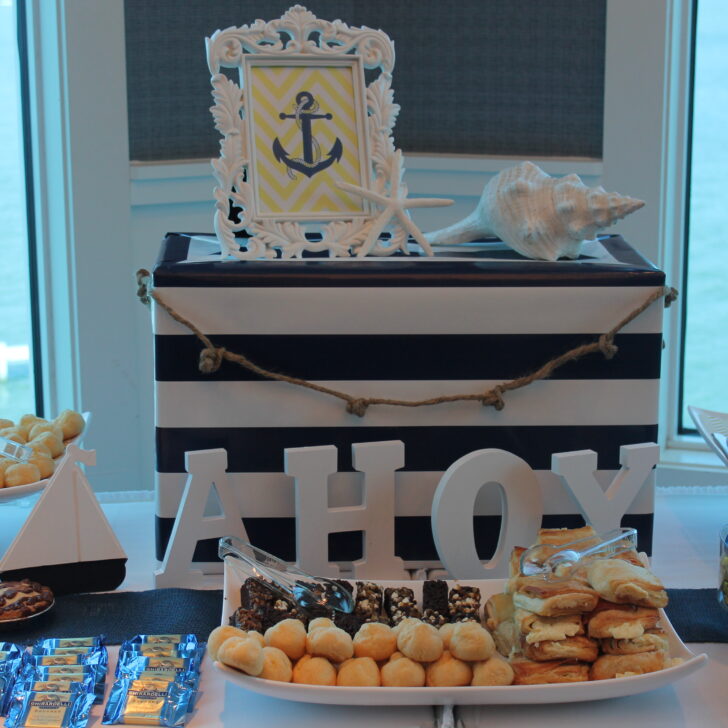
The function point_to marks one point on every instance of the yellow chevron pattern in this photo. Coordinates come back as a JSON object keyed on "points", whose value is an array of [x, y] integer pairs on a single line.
{"points": [[273, 91]]}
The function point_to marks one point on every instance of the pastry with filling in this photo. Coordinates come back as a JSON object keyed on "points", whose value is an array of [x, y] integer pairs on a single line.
{"points": [[554, 598], [609, 666], [562, 536], [621, 621], [580, 648], [499, 620], [619, 581], [464, 603], [653, 640], [530, 672], [536, 628], [19, 599]]}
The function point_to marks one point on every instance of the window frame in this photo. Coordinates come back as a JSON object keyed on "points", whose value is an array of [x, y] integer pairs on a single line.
{"points": [[645, 154]]}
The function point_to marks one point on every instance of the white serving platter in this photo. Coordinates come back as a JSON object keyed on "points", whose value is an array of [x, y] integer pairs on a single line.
{"points": [[16, 492], [511, 694]]}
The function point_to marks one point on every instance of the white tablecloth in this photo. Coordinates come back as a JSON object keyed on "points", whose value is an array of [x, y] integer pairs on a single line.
{"points": [[685, 555]]}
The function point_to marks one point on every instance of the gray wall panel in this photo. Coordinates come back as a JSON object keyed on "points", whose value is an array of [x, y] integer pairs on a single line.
{"points": [[517, 77]]}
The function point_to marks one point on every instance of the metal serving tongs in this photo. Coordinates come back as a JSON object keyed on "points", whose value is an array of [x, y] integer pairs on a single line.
{"points": [[288, 581], [558, 560]]}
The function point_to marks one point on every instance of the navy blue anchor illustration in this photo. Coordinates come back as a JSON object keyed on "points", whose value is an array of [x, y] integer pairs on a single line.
{"points": [[311, 163]]}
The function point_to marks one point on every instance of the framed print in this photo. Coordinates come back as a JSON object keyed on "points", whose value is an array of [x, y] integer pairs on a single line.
{"points": [[306, 154], [306, 120]]}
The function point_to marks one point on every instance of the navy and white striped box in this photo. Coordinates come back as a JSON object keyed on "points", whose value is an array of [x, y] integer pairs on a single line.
{"points": [[406, 327]]}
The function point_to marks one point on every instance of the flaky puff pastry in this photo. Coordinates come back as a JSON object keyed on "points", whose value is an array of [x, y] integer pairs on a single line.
{"points": [[495, 671], [499, 610], [620, 621], [536, 628], [421, 642], [401, 672], [242, 653], [219, 635], [609, 666], [653, 640], [359, 672], [529, 672], [471, 642], [581, 648], [288, 635], [276, 665], [375, 640], [330, 642], [561, 536], [312, 670], [554, 597], [448, 672], [619, 581]]}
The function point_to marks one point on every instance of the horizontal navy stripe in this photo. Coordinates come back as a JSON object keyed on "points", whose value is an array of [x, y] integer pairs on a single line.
{"points": [[410, 357], [404, 272], [412, 536], [260, 450]]}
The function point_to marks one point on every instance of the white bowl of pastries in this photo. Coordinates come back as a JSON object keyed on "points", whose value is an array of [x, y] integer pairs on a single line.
{"points": [[48, 439], [500, 641]]}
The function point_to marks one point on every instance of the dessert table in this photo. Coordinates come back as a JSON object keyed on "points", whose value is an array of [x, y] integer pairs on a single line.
{"points": [[685, 556]]}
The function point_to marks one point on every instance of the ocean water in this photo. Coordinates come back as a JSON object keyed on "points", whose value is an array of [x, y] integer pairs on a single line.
{"points": [[706, 296]]}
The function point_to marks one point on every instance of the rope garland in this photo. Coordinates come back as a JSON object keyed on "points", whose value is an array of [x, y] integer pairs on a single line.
{"points": [[211, 358]]}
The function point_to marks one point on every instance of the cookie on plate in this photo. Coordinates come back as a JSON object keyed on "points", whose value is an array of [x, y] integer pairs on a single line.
{"points": [[19, 599]]}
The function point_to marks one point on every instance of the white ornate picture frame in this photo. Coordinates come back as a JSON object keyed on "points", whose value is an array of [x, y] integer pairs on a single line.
{"points": [[302, 55]]}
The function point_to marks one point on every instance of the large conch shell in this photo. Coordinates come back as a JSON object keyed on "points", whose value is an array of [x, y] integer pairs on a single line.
{"points": [[538, 215]]}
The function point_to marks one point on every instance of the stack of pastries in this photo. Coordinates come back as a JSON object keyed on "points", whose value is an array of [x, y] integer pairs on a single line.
{"points": [[46, 438], [599, 621]]}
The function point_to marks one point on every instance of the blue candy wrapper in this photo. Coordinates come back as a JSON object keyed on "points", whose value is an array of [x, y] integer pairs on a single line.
{"points": [[175, 639], [166, 649], [131, 662], [10, 651], [51, 710], [91, 642], [76, 673], [149, 701]]}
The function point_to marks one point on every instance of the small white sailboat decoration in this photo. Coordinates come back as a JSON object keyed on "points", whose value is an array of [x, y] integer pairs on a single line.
{"points": [[67, 543]]}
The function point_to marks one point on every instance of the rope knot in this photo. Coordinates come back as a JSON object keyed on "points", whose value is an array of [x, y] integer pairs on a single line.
{"points": [[494, 397], [211, 359], [143, 279], [357, 407], [607, 346], [671, 296]]}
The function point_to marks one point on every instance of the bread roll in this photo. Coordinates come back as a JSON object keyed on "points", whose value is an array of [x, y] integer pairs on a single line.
{"points": [[242, 653], [359, 672], [218, 636], [375, 640], [276, 665], [312, 670], [448, 672], [289, 636]]}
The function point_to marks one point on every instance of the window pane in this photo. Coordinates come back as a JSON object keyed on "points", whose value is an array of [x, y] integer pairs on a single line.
{"points": [[17, 395], [705, 373]]}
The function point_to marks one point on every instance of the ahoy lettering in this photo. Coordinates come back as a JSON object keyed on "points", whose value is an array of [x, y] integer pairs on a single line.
{"points": [[312, 162]]}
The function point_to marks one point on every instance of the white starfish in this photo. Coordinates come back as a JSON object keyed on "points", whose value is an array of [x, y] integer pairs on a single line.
{"points": [[393, 206]]}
